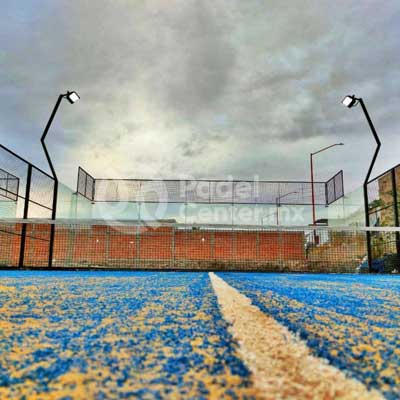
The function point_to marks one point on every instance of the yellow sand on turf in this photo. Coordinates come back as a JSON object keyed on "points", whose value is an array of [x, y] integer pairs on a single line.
{"points": [[281, 364]]}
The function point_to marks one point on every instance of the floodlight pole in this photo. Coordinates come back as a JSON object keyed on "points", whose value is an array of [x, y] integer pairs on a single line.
{"points": [[365, 186], [351, 101], [53, 172]]}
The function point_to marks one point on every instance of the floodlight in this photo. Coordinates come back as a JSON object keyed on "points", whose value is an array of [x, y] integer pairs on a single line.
{"points": [[72, 97], [350, 101]]}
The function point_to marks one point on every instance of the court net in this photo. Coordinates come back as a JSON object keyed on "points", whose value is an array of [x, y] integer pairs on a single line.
{"points": [[168, 246]]}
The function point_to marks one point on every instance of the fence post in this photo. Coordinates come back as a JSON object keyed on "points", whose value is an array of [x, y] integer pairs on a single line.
{"points": [[396, 213], [173, 246], [137, 244], [212, 240], [53, 226], [25, 216], [367, 224]]}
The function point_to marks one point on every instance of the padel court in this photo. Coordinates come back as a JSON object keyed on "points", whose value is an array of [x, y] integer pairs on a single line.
{"points": [[149, 335]]}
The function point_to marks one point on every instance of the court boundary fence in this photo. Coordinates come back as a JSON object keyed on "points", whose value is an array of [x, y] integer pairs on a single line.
{"points": [[236, 192], [383, 205], [33, 195]]}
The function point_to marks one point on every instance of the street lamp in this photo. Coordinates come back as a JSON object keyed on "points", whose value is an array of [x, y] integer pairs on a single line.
{"points": [[72, 97], [312, 176], [352, 101], [278, 204]]}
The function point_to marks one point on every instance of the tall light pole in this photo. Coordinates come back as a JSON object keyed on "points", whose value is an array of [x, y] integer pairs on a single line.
{"points": [[278, 204], [312, 176], [72, 97], [352, 101]]}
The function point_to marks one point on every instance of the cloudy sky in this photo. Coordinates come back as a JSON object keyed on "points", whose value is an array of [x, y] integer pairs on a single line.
{"points": [[209, 89]]}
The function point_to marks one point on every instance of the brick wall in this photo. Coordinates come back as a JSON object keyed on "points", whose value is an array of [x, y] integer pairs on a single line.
{"points": [[163, 247]]}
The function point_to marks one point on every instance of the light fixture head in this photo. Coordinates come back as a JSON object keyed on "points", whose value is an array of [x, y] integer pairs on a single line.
{"points": [[72, 97], [350, 101]]}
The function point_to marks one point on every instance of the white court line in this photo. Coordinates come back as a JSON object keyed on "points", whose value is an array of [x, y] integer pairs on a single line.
{"points": [[281, 364]]}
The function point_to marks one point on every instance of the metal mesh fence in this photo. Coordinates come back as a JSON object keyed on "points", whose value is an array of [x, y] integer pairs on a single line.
{"points": [[17, 168], [201, 247], [9, 186], [397, 185], [40, 195], [27, 185], [209, 191], [85, 184], [383, 209], [381, 193], [334, 188], [32, 191], [385, 246]]}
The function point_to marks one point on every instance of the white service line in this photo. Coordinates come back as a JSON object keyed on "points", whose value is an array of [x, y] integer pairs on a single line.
{"points": [[281, 364]]}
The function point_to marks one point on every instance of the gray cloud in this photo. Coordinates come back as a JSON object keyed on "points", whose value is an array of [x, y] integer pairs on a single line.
{"points": [[208, 88]]}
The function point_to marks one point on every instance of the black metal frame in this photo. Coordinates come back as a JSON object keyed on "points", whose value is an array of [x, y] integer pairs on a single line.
{"points": [[26, 211], [6, 189], [92, 196], [367, 177], [395, 205], [85, 193], [396, 212], [333, 179], [27, 198], [55, 192]]}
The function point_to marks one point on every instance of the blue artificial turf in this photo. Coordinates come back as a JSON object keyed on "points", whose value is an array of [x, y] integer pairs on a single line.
{"points": [[351, 320], [115, 335], [161, 335]]}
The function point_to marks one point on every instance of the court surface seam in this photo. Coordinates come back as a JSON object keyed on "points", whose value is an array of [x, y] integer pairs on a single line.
{"points": [[281, 364]]}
